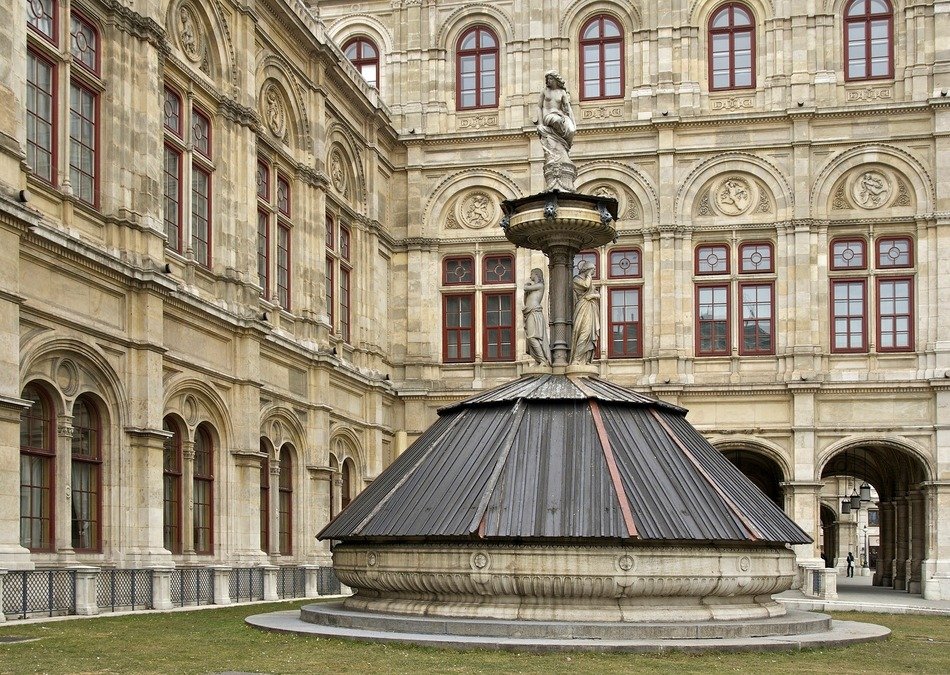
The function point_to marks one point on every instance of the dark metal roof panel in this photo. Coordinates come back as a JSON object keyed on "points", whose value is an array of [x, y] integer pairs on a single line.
{"points": [[555, 482], [669, 498], [772, 523], [610, 392]]}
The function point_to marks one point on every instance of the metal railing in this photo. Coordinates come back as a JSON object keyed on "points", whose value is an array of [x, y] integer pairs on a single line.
{"points": [[192, 586], [39, 593], [291, 582], [124, 589], [246, 584]]}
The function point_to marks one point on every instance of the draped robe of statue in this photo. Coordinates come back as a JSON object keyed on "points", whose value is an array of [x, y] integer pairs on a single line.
{"points": [[586, 324], [556, 127]]}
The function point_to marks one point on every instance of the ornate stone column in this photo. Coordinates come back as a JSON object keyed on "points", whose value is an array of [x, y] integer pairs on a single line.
{"points": [[901, 541], [273, 507], [337, 493], [63, 491], [188, 496], [318, 501], [918, 525], [560, 266], [884, 576]]}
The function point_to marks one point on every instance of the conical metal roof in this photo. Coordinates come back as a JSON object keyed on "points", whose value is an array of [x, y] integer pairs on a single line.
{"points": [[549, 457]]}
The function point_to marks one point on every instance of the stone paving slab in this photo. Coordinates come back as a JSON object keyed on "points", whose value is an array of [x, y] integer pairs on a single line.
{"points": [[842, 633]]}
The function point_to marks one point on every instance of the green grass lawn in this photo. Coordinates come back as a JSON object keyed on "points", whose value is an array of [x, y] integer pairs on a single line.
{"points": [[218, 640]]}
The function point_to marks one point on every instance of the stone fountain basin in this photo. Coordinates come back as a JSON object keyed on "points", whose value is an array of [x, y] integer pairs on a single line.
{"points": [[561, 582]]}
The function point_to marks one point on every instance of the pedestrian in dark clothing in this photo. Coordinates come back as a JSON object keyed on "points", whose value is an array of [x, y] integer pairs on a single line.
{"points": [[850, 564]]}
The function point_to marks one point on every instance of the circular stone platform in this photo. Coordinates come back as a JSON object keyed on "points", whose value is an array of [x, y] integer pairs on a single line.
{"points": [[795, 630]]}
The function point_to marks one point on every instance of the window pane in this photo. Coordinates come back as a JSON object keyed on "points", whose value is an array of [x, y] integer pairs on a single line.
{"points": [[712, 259], [39, 117], [499, 269], [39, 15], [848, 254], [624, 264], [84, 43], [82, 142], [458, 271]]}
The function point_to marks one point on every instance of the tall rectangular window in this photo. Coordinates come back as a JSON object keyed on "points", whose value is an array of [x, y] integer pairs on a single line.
{"points": [[848, 315], [201, 215], [83, 142], [265, 501], [263, 252], [171, 489], [458, 328], [203, 494], [757, 323], [172, 215], [499, 326], [40, 116], [37, 454], [328, 284], [283, 266], [895, 314], [345, 304], [624, 311], [712, 320]]}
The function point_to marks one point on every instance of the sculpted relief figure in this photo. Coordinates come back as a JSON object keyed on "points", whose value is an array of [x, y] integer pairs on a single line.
{"points": [[535, 327], [586, 331], [556, 126]]}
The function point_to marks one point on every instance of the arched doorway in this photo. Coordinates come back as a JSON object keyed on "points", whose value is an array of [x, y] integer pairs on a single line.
{"points": [[829, 535], [764, 472], [883, 483]]}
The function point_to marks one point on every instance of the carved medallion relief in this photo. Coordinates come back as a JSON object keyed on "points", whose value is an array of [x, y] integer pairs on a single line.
{"points": [[869, 188], [338, 177], [628, 207], [734, 195], [272, 111], [190, 36]]}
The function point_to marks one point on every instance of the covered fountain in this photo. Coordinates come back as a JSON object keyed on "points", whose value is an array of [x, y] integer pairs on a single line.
{"points": [[560, 505]]}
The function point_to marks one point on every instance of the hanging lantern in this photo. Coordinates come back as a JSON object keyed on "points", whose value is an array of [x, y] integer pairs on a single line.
{"points": [[845, 506], [865, 492], [855, 501]]}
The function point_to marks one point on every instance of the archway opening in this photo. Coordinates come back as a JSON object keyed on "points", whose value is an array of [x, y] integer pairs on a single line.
{"points": [[764, 472]]}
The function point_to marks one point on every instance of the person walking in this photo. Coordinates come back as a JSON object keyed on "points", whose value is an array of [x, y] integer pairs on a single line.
{"points": [[850, 564]]}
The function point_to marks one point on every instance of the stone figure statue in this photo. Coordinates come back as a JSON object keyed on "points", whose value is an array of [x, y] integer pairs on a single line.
{"points": [[556, 127], [535, 327], [586, 330]]}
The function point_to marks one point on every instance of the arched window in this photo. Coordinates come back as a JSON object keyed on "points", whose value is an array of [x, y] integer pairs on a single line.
{"points": [[37, 454], [869, 36], [731, 48], [334, 467], [171, 486], [285, 501], [265, 497], [347, 488], [203, 492], [601, 58], [86, 477], [364, 55], [476, 84]]}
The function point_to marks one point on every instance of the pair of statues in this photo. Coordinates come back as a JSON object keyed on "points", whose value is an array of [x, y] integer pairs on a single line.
{"points": [[586, 318]]}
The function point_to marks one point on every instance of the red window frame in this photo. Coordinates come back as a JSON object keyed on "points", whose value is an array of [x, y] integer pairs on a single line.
{"points": [[893, 241], [862, 249], [203, 148], [477, 53], [283, 196], [848, 316], [731, 30], [895, 315], [50, 14], [78, 174], [458, 331], [171, 483], [283, 265], [51, 122], [620, 327], [265, 498], [498, 326], [344, 242], [263, 252], [172, 94], [591, 256], [756, 321], [329, 281], [355, 52], [491, 264], [726, 322], [75, 49], [464, 262], [86, 481], [347, 487], [203, 480], [44, 454], [345, 302], [634, 258], [747, 257], [173, 201], [285, 502], [717, 249], [201, 220], [601, 42], [331, 228], [865, 21]]}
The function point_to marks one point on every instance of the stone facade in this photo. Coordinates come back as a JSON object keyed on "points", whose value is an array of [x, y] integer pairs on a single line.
{"points": [[100, 306]]}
